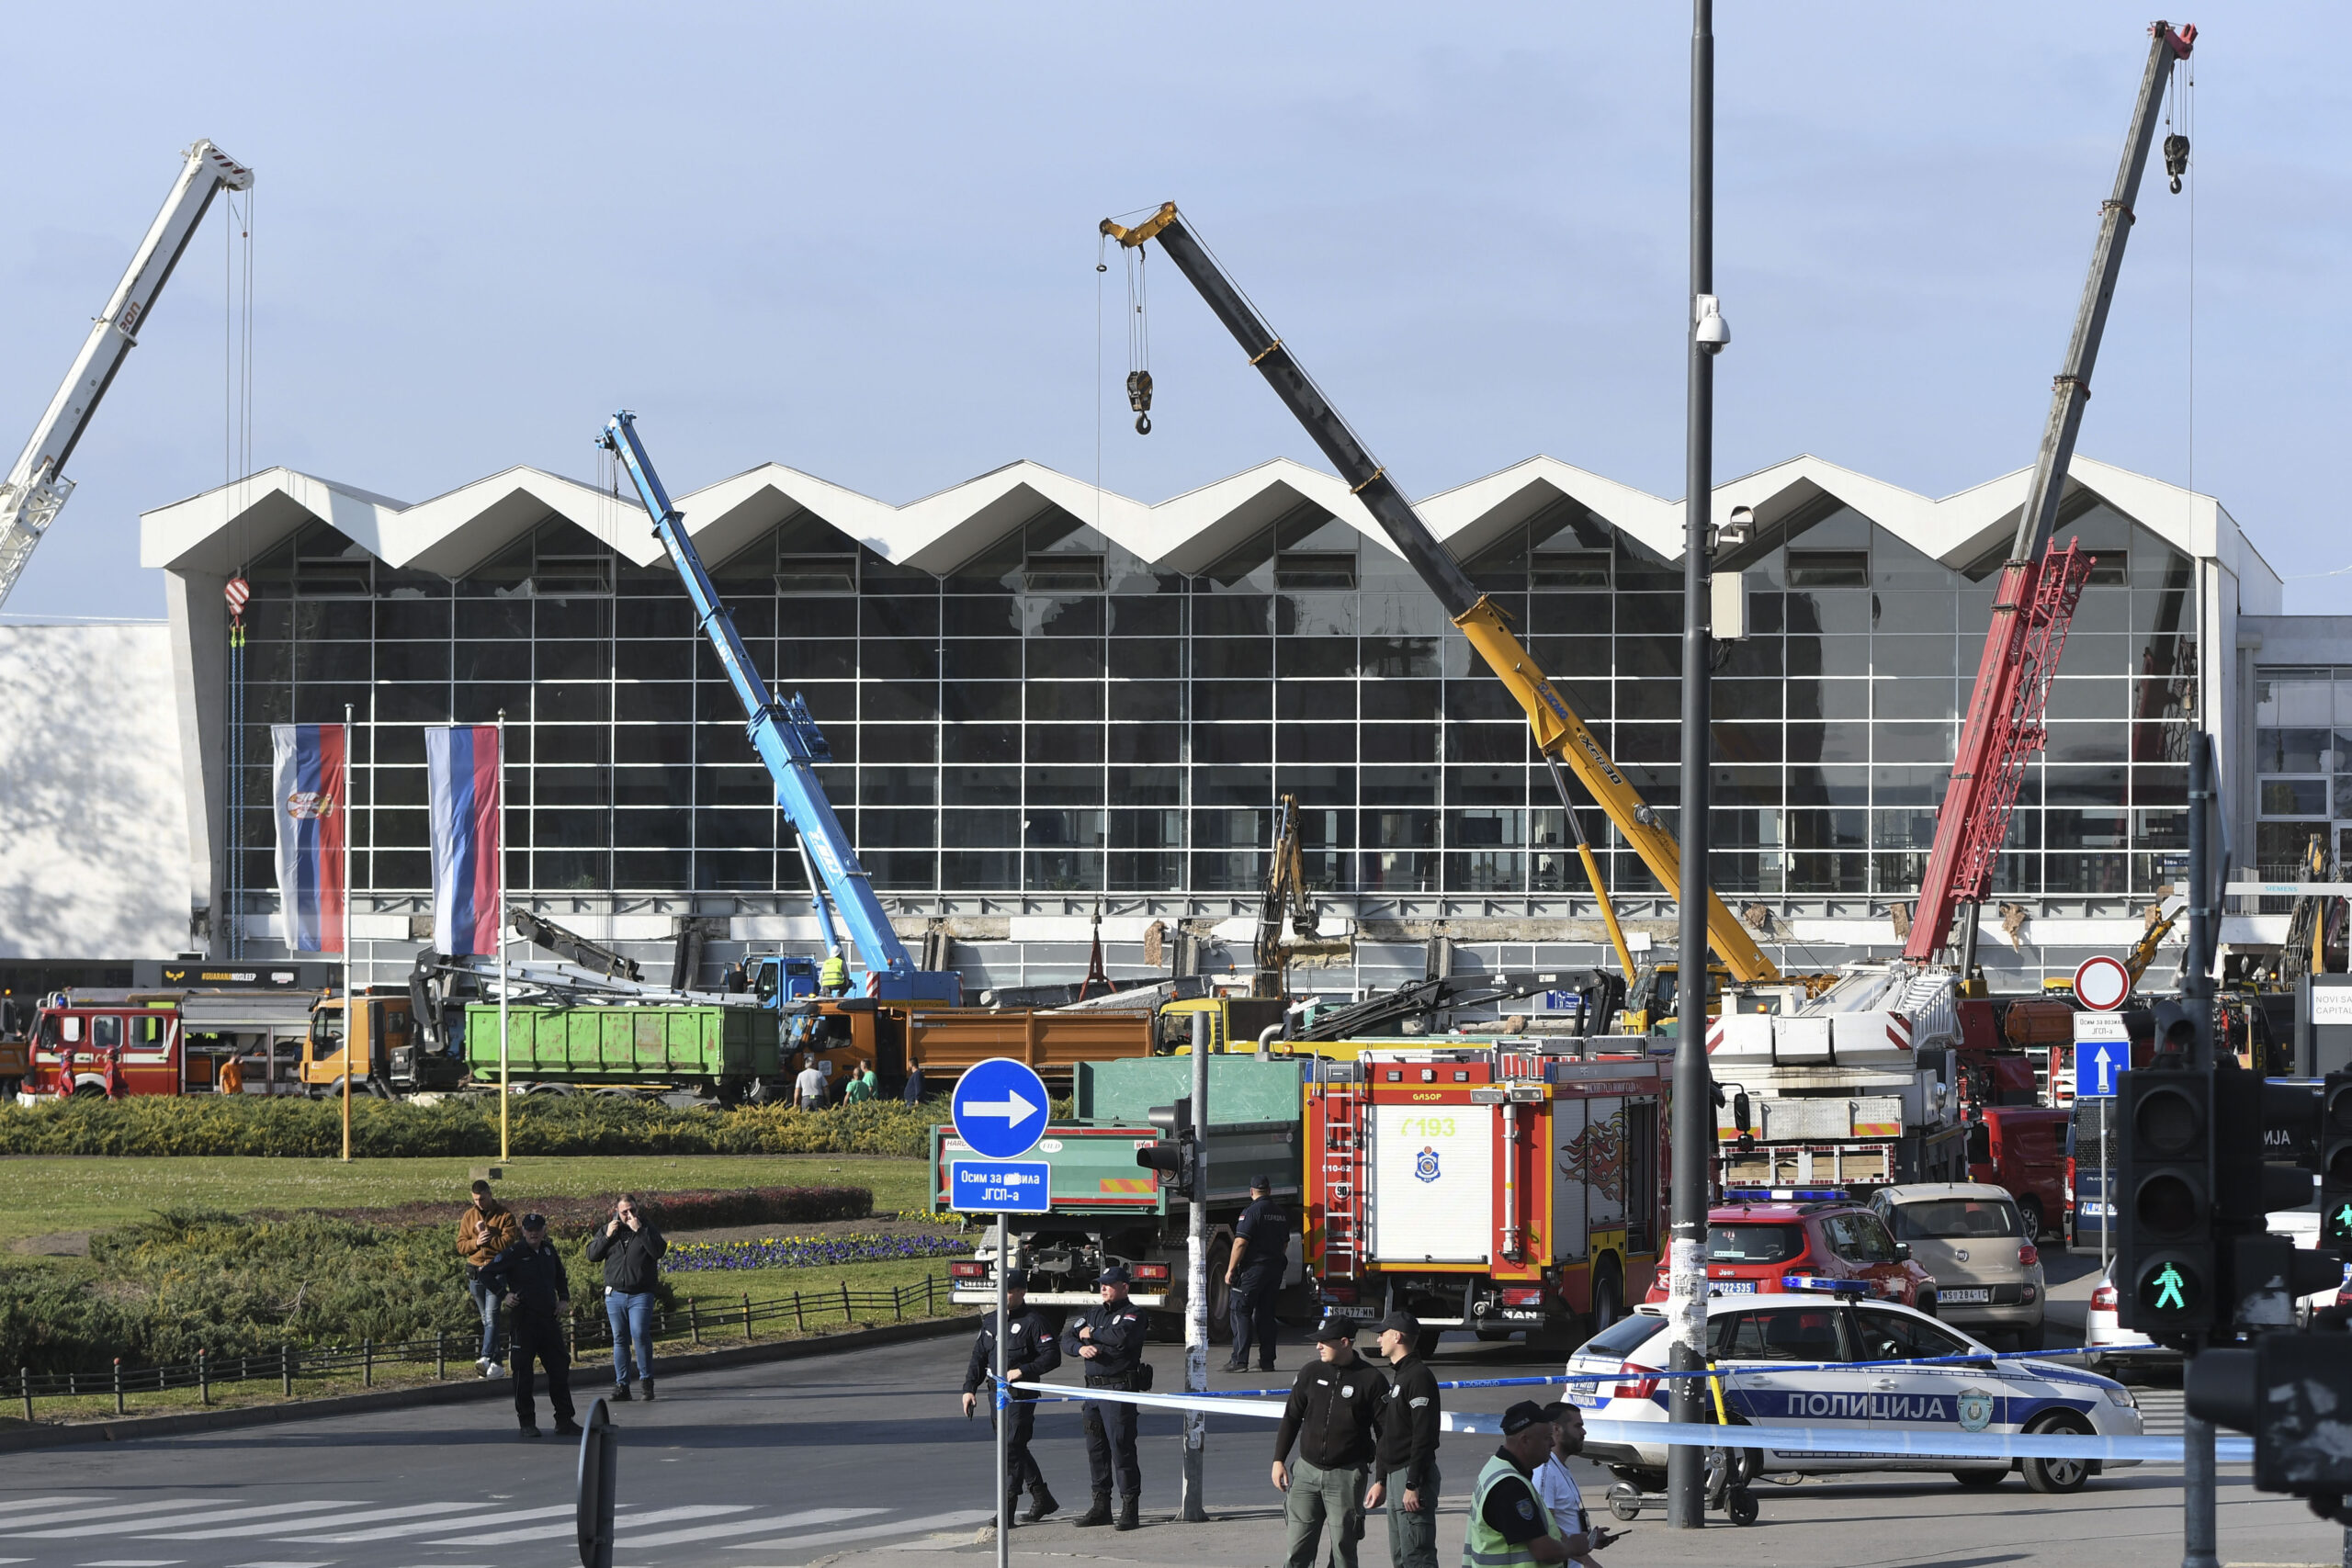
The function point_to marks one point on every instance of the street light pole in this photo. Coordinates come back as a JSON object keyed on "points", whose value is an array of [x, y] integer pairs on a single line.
{"points": [[1693, 1121]]}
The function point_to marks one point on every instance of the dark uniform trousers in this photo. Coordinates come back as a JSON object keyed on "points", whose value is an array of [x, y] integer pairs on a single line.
{"points": [[1111, 1437], [539, 1334], [1250, 1313], [1019, 1465]]}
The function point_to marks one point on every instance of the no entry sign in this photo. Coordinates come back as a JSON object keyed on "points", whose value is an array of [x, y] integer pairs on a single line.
{"points": [[2102, 983]]}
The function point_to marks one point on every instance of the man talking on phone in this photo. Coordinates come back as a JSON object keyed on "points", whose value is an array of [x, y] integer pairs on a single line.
{"points": [[630, 1249]]}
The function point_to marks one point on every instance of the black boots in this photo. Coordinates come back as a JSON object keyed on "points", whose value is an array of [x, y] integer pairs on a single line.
{"points": [[1098, 1515], [1127, 1507], [1041, 1503]]}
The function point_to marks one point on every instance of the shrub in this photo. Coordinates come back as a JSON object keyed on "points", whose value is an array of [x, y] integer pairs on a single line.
{"points": [[669, 1211], [296, 1127], [808, 1251]]}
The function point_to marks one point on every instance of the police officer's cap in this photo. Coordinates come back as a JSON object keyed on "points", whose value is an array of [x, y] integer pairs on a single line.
{"points": [[535, 1222], [1018, 1280], [1402, 1322], [1115, 1275], [1521, 1416], [1335, 1331]]}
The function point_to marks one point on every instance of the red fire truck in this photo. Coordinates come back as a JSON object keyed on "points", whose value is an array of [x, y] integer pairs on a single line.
{"points": [[1498, 1190], [125, 1043]]}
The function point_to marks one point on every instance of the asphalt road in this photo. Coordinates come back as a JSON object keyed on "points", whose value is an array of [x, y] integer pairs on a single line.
{"points": [[834, 1460]]}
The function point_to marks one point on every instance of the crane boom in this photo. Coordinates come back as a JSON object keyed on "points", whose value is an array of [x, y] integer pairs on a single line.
{"points": [[791, 745], [1559, 732], [2038, 586], [37, 486]]}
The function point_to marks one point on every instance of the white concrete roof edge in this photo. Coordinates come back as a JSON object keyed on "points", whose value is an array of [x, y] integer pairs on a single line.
{"points": [[176, 536]]}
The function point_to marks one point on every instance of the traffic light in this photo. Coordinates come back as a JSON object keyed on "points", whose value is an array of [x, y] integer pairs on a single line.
{"points": [[2287, 1394], [2252, 1118], [1174, 1156], [2164, 1275], [2335, 1162]]}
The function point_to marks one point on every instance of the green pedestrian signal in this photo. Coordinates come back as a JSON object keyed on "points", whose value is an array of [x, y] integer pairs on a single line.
{"points": [[2168, 1289], [2344, 1217]]}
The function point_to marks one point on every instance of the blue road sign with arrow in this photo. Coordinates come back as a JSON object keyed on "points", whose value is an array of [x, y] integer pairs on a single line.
{"points": [[999, 1109], [2102, 1051]]}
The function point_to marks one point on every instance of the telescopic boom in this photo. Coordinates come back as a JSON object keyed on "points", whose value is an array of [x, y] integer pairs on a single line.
{"points": [[1559, 733]]}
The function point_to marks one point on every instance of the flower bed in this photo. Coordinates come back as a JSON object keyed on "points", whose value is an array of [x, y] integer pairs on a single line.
{"points": [[808, 1251]]}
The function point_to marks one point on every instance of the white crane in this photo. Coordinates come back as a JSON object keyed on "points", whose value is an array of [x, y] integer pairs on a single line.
{"points": [[37, 486]]}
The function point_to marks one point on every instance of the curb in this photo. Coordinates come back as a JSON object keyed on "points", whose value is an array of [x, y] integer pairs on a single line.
{"points": [[131, 1429]]}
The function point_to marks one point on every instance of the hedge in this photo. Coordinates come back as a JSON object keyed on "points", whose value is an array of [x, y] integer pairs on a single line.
{"points": [[301, 1128], [698, 1210]]}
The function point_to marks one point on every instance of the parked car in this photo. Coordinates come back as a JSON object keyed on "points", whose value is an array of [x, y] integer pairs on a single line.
{"points": [[1812, 1333], [1973, 1237], [1761, 1236], [2022, 1149]]}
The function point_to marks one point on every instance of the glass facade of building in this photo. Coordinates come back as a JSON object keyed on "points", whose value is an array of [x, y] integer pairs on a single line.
{"points": [[2302, 744], [1058, 718]]}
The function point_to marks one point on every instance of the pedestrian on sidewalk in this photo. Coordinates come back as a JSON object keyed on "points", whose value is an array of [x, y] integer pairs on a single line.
{"points": [[1108, 1338], [484, 1231], [1405, 1473], [1562, 1498], [1509, 1526], [1253, 1275], [530, 1277], [1331, 1414], [1030, 1352], [630, 1249]]}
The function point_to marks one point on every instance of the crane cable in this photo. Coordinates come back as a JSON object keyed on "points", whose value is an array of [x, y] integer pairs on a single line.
{"points": [[1138, 339]]}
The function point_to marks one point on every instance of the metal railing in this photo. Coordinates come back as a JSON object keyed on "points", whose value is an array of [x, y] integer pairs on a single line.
{"points": [[802, 1311]]}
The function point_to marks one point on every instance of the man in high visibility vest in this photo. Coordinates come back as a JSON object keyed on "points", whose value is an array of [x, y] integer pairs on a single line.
{"points": [[1509, 1526], [832, 976]]}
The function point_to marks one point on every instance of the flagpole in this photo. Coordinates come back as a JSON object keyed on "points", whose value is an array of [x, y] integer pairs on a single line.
{"points": [[505, 1097], [350, 1024]]}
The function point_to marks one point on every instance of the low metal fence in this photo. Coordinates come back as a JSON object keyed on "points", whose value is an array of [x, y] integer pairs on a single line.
{"points": [[589, 1329]]}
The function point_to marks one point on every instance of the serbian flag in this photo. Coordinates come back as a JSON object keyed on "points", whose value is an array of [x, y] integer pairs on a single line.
{"points": [[306, 790], [461, 777]]}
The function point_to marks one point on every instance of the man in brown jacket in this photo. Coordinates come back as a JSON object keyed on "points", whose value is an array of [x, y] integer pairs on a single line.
{"points": [[484, 1231]]}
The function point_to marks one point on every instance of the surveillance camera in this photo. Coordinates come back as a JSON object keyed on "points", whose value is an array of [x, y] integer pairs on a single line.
{"points": [[1710, 330]]}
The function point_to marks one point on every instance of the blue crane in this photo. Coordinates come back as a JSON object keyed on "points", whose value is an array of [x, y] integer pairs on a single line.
{"points": [[791, 745]]}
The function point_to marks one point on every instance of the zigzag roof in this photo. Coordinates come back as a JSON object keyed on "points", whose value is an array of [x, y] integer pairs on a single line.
{"points": [[214, 532]]}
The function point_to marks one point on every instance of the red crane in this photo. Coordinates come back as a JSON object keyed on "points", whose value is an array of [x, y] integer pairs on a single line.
{"points": [[2040, 586]]}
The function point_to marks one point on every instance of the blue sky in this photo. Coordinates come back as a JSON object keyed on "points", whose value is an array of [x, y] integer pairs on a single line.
{"points": [[860, 240]]}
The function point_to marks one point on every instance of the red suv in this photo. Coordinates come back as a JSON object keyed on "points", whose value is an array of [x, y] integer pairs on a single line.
{"points": [[1761, 1236]]}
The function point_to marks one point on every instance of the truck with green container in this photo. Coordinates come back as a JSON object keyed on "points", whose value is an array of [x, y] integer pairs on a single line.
{"points": [[1105, 1207], [722, 1051]]}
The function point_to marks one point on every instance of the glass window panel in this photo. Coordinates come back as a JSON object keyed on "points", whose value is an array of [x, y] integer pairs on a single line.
{"points": [[1836, 613], [1913, 743], [1811, 873], [898, 615], [1748, 742], [1572, 614], [1757, 656], [1647, 743], [975, 616], [1220, 657], [1829, 699], [1146, 829], [1481, 698], [1232, 743], [896, 743], [1062, 701], [1146, 786], [1743, 699], [894, 830], [977, 659], [2292, 750], [733, 786], [1232, 615], [1649, 658], [908, 870], [1138, 658], [1065, 743], [1062, 617], [1913, 656], [1316, 657], [1400, 657], [1050, 659], [811, 659], [1392, 700], [1315, 699], [654, 786], [1316, 743], [1147, 870], [2081, 742], [981, 702], [1914, 613], [1486, 742], [2295, 797], [911, 702], [1159, 616], [1649, 700], [1222, 700], [897, 786], [1650, 613], [1147, 743], [494, 660], [2160, 786], [2083, 786], [1830, 742], [2076, 698], [1917, 697], [970, 871], [1065, 786], [981, 829], [654, 702], [2280, 847]]}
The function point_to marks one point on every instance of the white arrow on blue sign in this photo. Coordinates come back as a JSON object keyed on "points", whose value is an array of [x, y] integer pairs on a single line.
{"points": [[2102, 1051], [1000, 1108]]}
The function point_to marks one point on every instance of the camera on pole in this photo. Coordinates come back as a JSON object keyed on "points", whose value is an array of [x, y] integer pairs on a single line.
{"points": [[1174, 1155]]}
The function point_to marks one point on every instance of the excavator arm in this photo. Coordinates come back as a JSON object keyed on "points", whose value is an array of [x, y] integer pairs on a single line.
{"points": [[1559, 733]]}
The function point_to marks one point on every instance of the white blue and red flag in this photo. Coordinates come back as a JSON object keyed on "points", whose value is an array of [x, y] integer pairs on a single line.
{"points": [[307, 790], [462, 783]]}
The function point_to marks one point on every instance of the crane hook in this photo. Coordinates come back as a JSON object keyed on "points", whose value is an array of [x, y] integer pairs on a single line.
{"points": [[1139, 400], [2176, 159]]}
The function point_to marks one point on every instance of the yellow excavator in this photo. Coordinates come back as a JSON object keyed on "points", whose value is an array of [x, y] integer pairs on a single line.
{"points": [[1560, 734]]}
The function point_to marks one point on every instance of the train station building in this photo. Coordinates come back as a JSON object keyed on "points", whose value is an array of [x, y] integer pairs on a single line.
{"points": [[1048, 704]]}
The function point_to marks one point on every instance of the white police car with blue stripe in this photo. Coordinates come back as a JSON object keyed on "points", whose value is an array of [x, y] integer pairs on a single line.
{"points": [[1817, 1354]]}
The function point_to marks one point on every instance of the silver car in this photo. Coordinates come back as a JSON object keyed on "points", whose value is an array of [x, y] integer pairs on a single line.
{"points": [[1971, 1238]]}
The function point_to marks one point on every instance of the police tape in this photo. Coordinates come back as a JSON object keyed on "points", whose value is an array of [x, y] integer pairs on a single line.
{"points": [[1873, 1441], [1618, 1374]]}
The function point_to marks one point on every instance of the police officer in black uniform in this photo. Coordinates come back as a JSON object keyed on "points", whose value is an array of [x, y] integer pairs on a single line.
{"points": [[1030, 1352], [1253, 1275], [530, 1276], [1109, 1339]]}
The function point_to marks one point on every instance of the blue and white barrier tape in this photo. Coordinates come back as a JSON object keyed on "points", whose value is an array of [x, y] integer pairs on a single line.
{"points": [[1874, 1441], [1775, 1368]]}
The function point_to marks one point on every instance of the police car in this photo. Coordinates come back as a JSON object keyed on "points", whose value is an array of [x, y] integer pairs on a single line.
{"points": [[1820, 1325]]}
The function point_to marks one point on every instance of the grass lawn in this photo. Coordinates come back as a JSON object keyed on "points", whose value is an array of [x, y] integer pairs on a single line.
{"points": [[82, 1193]]}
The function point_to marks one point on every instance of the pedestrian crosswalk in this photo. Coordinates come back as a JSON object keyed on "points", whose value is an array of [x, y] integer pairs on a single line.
{"points": [[221, 1530], [2160, 1411]]}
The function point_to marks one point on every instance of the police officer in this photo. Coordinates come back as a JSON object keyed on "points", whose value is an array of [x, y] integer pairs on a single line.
{"points": [[1509, 1526], [1030, 1352], [832, 976], [1109, 1339], [1253, 1275], [530, 1276], [1332, 1410], [1405, 1472]]}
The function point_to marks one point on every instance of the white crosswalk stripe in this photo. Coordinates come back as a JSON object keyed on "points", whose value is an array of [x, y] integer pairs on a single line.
{"points": [[215, 1515], [871, 1532], [739, 1527], [46, 1503], [112, 1511], [626, 1521], [368, 1516], [428, 1527]]}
